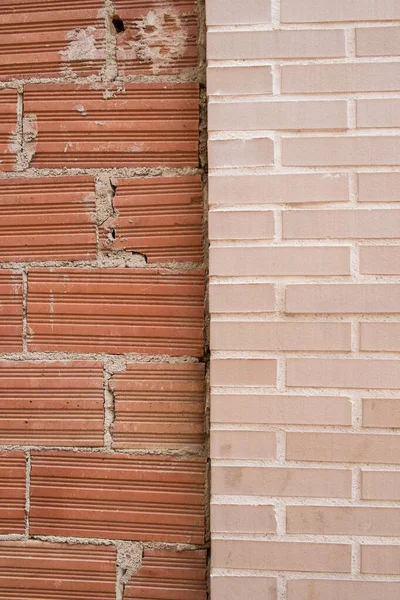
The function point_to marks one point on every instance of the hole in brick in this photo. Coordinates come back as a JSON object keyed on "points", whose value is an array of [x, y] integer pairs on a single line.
{"points": [[113, 234], [118, 24]]}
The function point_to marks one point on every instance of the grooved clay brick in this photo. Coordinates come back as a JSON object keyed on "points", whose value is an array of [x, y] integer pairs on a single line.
{"points": [[230, 13], [249, 116], [12, 493], [150, 498], [51, 403], [169, 574], [343, 298], [286, 410], [239, 80], [8, 128], [343, 373], [325, 589], [381, 412], [379, 187], [378, 41], [381, 560], [158, 37], [38, 570], [160, 217], [358, 10], [243, 444], [254, 152], [50, 218], [159, 406], [281, 556], [247, 297], [116, 310], [233, 518], [51, 39], [149, 124], [11, 311], [237, 588], [380, 337], [350, 77], [380, 260], [278, 337], [380, 485], [243, 372], [378, 113], [279, 261], [241, 225], [232, 45], [341, 224], [344, 151], [343, 447], [343, 520], [280, 189], [281, 482]]}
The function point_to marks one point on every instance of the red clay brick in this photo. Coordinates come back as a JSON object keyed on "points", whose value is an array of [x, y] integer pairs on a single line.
{"points": [[170, 47], [48, 39], [11, 311], [116, 311], [159, 217], [159, 406], [51, 403], [12, 493], [149, 498], [38, 570], [47, 219], [8, 126], [149, 124], [168, 574]]}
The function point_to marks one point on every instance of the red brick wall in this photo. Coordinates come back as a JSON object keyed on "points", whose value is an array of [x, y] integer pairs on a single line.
{"points": [[102, 283]]}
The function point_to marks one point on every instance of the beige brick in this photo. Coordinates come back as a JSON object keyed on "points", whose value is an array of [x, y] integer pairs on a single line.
{"points": [[380, 260], [281, 556], [280, 189], [341, 224], [378, 113], [277, 337], [229, 13], [379, 187], [231, 518], [282, 482], [243, 444], [343, 298], [343, 373], [243, 372], [250, 116], [343, 447], [255, 45], [341, 151], [279, 261], [325, 589], [378, 41], [237, 588], [239, 81], [241, 225], [350, 77], [384, 337], [380, 485], [242, 298], [381, 412], [286, 410], [309, 11], [256, 152], [381, 560], [343, 520]]}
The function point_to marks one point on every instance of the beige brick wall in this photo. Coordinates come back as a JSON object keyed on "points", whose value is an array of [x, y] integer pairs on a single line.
{"points": [[304, 152]]}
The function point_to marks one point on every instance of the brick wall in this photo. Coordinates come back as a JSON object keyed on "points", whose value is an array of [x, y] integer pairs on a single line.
{"points": [[304, 188], [102, 373]]}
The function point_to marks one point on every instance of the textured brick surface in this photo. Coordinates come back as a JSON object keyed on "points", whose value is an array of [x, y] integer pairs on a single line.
{"points": [[12, 492], [8, 128], [11, 311]]}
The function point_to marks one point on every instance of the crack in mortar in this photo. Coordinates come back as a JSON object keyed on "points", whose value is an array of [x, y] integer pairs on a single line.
{"points": [[112, 365], [30, 133], [129, 561]]}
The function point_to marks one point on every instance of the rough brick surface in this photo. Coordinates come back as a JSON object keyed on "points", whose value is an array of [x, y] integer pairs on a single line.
{"points": [[8, 129], [11, 313], [12, 492]]}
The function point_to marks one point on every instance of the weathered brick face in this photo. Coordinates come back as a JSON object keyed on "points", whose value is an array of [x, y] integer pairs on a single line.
{"points": [[103, 469]]}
